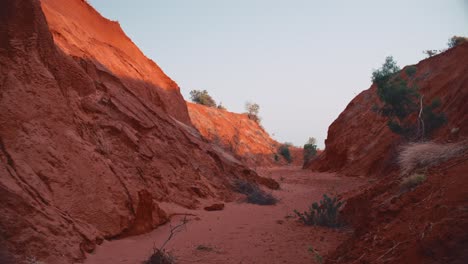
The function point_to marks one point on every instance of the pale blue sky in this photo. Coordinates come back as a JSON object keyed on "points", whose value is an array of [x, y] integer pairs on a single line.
{"points": [[302, 61]]}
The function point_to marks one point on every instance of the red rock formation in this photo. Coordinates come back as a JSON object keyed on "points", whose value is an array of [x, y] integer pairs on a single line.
{"points": [[425, 225], [359, 141], [83, 33], [240, 135], [93, 135]]}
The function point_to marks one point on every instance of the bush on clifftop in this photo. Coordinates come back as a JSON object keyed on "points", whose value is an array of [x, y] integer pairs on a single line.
{"points": [[202, 97]]}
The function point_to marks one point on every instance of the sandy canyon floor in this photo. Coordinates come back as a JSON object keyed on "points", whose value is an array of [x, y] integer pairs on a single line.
{"points": [[242, 232]]}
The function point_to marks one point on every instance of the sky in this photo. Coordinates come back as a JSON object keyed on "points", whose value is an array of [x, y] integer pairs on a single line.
{"points": [[302, 61]]}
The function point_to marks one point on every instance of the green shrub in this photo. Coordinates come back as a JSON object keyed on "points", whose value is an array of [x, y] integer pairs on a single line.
{"points": [[411, 70], [412, 181], [433, 120], [401, 100], [254, 194], [430, 53], [283, 150], [323, 214], [276, 157], [252, 111], [309, 150], [202, 97], [317, 256], [393, 91], [455, 41]]}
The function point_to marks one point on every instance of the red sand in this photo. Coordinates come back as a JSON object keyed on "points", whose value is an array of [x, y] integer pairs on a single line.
{"points": [[244, 233]]}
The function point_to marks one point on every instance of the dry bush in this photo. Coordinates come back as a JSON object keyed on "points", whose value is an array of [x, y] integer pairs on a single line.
{"points": [[160, 255], [324, 213], [255, 195], [412, 181], [423, 155]]}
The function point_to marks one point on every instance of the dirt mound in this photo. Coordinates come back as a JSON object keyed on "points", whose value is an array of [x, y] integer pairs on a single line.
{"points": [[93, 135], [424, 225], [359, 141], [240, 135]]}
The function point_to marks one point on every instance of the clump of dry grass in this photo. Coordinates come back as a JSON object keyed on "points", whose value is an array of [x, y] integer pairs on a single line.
{"points": [[427, 154], [255, 195], [412, 181], [160, 255], [204, 248]]}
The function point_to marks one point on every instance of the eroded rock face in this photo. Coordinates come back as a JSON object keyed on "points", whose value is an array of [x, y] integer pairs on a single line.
{"points": [[80, 31], [240, 135], [93, 135], [393, 225], [424, 225], [359, 141]]}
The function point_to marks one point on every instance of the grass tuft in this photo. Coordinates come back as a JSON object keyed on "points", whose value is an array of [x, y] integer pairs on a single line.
{"points": [[424, 155], [412, 181], [254, 194]]}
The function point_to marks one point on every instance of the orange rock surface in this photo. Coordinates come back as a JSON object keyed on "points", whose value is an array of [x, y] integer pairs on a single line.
{"points": [[240, 135], [93, 135], [359, 141]]}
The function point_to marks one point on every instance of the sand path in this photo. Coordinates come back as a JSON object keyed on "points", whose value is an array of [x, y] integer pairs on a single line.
{"points": [[244, 233]]}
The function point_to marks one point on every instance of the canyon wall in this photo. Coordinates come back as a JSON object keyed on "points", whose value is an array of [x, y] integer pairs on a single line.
{"points": [[359, 141], [93, 136], [392, 224], [240, 135]]}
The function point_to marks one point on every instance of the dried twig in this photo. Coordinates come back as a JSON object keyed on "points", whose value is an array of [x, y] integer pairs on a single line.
{"points": [[174, 230], [390, 250]]}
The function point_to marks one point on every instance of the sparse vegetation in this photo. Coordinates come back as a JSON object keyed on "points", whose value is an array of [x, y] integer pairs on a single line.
{"points": [[430, 53], [424, 155], [255, 195], [411, 70], [455, 41], [324, 213], [318, 258], [221, 106], [276, 157], [283, 150], [412, 181], [202, 97], [160, 255], [401, 100], [252, 111], [204, 248], [310, 150], [32, 260]]}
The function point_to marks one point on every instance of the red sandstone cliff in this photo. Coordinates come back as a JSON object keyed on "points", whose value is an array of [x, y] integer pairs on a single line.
{"points": [[425, 225], [422, 225], [94, 41], [93, 135], [359, 141], [240, 135]]}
